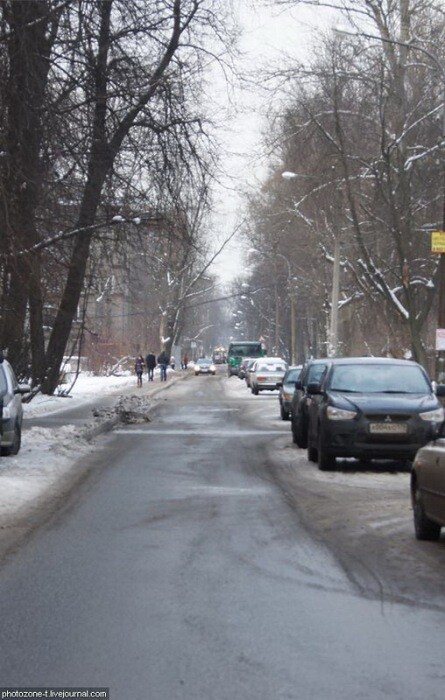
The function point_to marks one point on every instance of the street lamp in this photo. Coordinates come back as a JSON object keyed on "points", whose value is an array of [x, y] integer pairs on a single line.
{"points": [[441, 270], [333, 323], [292, 297]]}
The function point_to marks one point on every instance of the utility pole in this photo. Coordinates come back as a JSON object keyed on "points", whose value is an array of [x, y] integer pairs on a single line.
{"points": [[333, 331], [293, 328]]}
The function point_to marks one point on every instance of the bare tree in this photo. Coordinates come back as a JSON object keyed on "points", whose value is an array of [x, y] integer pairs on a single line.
{"points": [[121, 74], [362, 135]]}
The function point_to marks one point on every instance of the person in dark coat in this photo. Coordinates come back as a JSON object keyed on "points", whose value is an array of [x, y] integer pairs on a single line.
{"points": [[163, 360], [150, 361], [139, 368]]}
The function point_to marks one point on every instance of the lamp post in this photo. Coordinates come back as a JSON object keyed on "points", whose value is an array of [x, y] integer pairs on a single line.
{"points": [[440, 369], [292, 298], [333, 322]]}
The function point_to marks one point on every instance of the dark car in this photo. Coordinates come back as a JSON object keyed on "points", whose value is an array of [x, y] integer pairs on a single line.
{"points": [[372, 408], [312, 372], [428, 490], [247, 362], [287, 388], [11, 409]]}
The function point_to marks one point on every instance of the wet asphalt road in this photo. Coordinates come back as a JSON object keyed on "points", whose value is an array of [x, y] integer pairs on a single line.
{"points": [[178, 571]]}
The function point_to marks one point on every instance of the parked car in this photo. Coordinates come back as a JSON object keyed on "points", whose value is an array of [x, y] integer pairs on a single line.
{"points": [[428, 490], [204, 366], [249, 366], [248, 361], [312, 372], [11, 409], [372, 408], [286, 390], [266, 373]]}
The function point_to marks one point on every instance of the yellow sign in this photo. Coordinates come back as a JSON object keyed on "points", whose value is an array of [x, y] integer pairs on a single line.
{"points": [[438, 242]]}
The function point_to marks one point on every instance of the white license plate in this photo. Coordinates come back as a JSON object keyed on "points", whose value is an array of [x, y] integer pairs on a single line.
{"points": [[391, 428]]}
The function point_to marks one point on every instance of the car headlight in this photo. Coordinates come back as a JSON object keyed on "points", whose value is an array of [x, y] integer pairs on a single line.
{"points": [[334, 413], [287, 397], [212, 368], [435, 416]]}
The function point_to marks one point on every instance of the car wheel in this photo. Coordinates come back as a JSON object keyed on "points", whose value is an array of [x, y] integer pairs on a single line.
{"points": [[326, 461], [284, 414], [255, 390], [299, 437], [424, 528], [312, 454], [15, 447]]}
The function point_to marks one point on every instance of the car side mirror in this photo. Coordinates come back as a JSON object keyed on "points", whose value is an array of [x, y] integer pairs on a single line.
{"points": [[279, 385], [440, 390], [314, 388], [22, 389]]}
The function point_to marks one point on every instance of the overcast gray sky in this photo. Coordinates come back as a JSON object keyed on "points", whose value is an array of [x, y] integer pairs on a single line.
{"points": [[268, 32]]}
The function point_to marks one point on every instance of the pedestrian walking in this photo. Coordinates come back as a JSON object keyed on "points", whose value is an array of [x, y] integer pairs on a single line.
{"points": [[163, 363], [185, 362], [139, 368], [150, 361], [172, 362]]}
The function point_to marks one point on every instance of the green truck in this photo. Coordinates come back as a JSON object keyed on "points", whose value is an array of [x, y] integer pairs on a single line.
{"points": [[239, 350]]}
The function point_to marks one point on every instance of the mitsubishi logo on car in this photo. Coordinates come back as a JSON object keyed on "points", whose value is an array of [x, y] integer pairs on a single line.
{"points": [[388, 419]]}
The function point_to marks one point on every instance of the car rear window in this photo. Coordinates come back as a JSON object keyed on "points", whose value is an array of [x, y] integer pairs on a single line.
{"points": [[393, 379], [271, 368]]}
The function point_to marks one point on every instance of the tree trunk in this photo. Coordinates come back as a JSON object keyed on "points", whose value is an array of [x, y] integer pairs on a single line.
{"points": [[31, 35]]}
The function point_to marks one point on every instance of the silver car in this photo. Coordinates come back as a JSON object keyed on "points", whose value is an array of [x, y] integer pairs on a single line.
{"points": [[204, 366], [266, 373], [11, 409]]}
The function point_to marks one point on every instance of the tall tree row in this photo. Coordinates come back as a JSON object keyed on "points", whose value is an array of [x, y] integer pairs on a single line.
{"points": [[360, 136], [100, 102]]}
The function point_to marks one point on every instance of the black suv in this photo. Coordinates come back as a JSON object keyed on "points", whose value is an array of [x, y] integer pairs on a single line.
{"points": [[372, 408], [312, 372]]}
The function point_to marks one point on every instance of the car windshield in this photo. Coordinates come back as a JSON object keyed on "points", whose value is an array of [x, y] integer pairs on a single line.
{"points": [[315, 372], [203, 361], [293, 375], [400, 379], [241, 350]]}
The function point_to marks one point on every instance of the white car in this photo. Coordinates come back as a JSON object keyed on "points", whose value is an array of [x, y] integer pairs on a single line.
{"points": [[204, 366], [11, 410], [266, 373]]}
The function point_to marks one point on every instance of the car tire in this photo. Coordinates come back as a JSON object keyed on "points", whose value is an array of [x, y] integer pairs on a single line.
{"points": [[255, 390], [284, 414], [15, 447], [312, 454], [299, 437], [326, 460], [424, 528]]}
